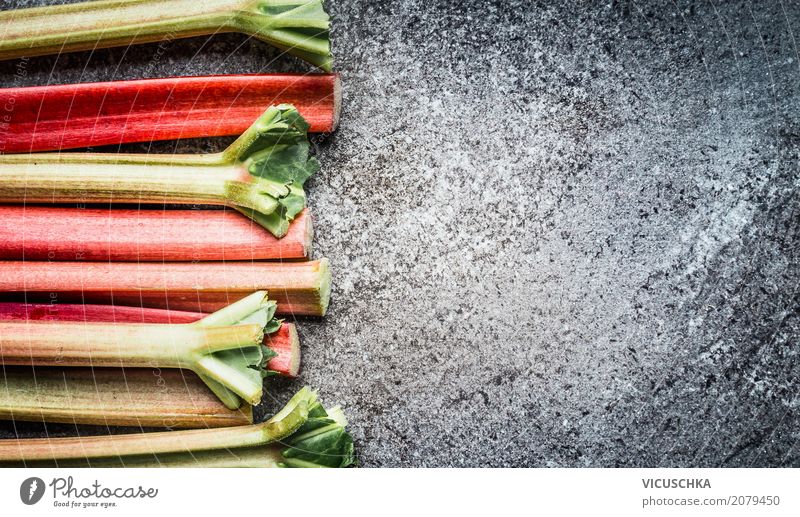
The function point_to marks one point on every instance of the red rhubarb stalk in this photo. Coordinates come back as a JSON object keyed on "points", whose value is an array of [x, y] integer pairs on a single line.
{"points": [[45, 118], [299, 288], [57, 233], [283, 342]]}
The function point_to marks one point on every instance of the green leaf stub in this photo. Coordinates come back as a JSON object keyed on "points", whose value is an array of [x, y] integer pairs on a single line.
{"points": [[235, 373], [321, 441], [300, 27], [275, 153]]}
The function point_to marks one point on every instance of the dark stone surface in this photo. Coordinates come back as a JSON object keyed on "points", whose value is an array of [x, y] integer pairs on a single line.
{"points": [[563, 233]]}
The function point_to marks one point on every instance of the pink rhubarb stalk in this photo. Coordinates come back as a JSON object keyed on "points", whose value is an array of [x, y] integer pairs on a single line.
{"points": [[56, 233], [299, 288], [69, 116]]}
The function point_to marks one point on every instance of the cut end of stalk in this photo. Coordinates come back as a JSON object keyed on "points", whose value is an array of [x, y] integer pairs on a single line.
{"points": [[324, 286], [247, 413], [289, 419], [305, 396], [285, 344], [308, 234], [337, 101], [294, 341], [336, 414]]}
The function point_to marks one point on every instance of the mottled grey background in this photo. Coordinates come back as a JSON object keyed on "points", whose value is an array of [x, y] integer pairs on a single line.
{"points": [[563, 233]]}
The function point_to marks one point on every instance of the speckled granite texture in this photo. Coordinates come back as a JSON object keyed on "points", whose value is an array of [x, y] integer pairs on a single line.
{"points": [[563, 233]]}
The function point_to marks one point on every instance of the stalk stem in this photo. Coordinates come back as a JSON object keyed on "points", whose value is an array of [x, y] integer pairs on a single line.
{"points": [[70, 178], [107, 23], [299, 288], [49, 233], [228, 357], [280, 426], [68, 116], [300, 27], [138, 397], [261, 456], [284, 342], [117, 345], [260, 174]]}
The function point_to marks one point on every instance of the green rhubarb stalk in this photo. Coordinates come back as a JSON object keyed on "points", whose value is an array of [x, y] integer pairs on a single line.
{"points": [[299, 27], [280, 426], [140, 397], [322, 441], [224, 349], [302, 434], [261, 174]]}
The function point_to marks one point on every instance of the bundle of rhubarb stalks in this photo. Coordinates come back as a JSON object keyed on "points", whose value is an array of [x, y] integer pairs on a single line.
{"points": [[151, 290]]}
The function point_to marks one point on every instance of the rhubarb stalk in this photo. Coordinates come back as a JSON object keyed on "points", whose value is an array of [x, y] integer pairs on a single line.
{"points": [[302, 434], [68, 116], [299, 288], [56, 233], [300, 27], [260, 174], [140, 397], [225, 348], [284, 342]]}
